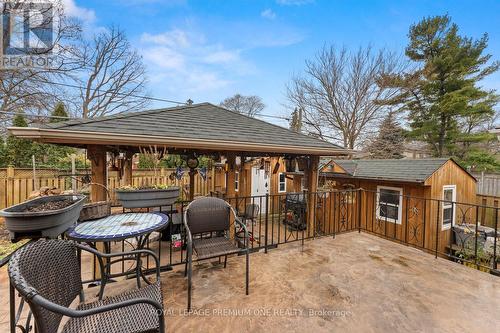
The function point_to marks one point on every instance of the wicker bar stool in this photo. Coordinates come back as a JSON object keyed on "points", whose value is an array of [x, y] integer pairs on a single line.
{"points": [[209, 216], [47, 275]]}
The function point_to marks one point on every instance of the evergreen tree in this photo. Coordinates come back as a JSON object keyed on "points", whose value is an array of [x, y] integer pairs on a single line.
{"points": [[3, 153], [295, 120], [481, 160], [59, 113], [48, 155], [19, 151], [390, 141], [444, 90]]}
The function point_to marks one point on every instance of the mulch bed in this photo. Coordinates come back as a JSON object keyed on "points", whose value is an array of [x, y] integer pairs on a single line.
{"points": [[51, 205]]}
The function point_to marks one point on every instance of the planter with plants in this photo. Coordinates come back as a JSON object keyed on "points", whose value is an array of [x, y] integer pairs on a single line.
{"points": [[146, 197], [47, 216], [154, 195]]}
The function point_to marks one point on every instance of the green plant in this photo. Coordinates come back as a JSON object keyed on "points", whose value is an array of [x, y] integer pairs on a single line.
{"points": [[136, 188]]}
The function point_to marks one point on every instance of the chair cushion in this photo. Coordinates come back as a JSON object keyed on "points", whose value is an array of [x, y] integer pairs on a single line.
{"points": [[214, 247], [135, 318]]}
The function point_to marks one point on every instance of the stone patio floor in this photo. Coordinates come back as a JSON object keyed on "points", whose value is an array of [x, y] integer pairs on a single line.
{"points": [[354, 283]]}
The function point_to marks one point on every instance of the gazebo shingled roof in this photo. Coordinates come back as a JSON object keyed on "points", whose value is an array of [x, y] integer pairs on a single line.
{"points": [[201, 126]]}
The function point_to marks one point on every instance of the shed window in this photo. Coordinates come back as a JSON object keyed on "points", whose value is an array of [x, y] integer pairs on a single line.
{"points": [[449, 198], [281, 182], [389, 203]]}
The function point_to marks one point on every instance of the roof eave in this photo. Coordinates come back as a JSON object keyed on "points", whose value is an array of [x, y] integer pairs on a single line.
{"points": [[104, 138], [394, 180]]}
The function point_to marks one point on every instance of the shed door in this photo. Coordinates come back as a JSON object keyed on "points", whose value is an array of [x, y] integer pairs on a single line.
{"points": [[260, 186]]}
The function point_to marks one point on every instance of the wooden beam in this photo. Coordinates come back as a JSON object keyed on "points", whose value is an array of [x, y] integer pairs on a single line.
{"points": [[212, 180], [231, 162], [192, 173], [230, 188], [312, 187], [97, 156]]}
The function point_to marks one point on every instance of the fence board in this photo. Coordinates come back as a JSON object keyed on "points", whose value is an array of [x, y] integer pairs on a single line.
{"points": [[488, 184], [17, 184]]}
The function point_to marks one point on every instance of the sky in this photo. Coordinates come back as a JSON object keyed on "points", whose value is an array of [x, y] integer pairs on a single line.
{"points": [[209, 50]]}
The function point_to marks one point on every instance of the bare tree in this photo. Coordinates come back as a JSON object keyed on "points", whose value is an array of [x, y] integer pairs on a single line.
{"points": [[247, 105], [31, 89], [113, 75], [339, 90]]}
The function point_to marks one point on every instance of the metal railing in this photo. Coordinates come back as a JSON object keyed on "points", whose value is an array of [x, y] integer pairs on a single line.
{"points": [[468, 234]]}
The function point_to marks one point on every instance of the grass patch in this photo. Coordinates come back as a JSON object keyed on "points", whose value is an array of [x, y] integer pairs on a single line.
{"points": [[7, 247]]}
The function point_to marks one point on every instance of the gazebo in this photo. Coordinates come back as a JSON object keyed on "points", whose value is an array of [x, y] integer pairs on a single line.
{"points": [[201, 129]]}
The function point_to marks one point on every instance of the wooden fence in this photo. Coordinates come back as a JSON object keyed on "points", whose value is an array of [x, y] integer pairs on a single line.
{"points": [[488, 184], [487, 215], [16, 184]]}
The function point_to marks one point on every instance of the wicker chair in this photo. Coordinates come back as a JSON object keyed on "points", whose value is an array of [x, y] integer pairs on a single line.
{"points": [[209, 215], [47, 275]]}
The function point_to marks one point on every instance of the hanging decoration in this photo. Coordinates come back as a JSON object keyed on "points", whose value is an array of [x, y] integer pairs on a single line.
{"points": [[203, 173], [179, 172], [276, 168]]}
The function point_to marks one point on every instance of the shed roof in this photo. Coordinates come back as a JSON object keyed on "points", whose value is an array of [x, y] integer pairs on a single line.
{"points": [[197, 126], [405, 170]]}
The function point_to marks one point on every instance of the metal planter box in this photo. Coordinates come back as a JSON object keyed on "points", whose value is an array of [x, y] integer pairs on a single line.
{"points": [[148, 197], [49, 223]]}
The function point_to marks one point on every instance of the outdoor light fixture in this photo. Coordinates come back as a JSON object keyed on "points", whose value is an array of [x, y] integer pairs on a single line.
{"points": [[114, 156], [290, 164], [267, 166], [261, 165], [303, 163]]}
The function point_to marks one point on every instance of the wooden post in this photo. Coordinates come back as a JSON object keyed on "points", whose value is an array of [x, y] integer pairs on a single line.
{"points": [[312, 187], [231, 176], [73, 173], [33, 162], [230, 188], [10, 186], [192, 172], [213, 175], [97, 156]]}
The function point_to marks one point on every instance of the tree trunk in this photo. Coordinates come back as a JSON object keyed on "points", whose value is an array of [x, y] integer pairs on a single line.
{"points": [[442, 135]]}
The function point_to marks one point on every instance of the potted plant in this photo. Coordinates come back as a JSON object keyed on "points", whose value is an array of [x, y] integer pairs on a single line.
{"points": [[146, 197], [47, 216]]}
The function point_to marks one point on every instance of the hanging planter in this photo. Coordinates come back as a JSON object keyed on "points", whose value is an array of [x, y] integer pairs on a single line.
{"points": [[47, 216]]}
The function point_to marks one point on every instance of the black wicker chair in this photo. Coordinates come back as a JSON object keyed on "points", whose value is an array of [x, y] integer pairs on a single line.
{"points": [[210, 219], [47, 275]]}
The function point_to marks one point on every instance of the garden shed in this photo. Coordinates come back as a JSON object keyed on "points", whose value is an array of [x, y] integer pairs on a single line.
{"points": [[408, 198]]}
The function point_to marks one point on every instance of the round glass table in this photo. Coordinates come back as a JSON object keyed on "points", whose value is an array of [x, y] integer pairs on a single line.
{"points": [[119, 227]]}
